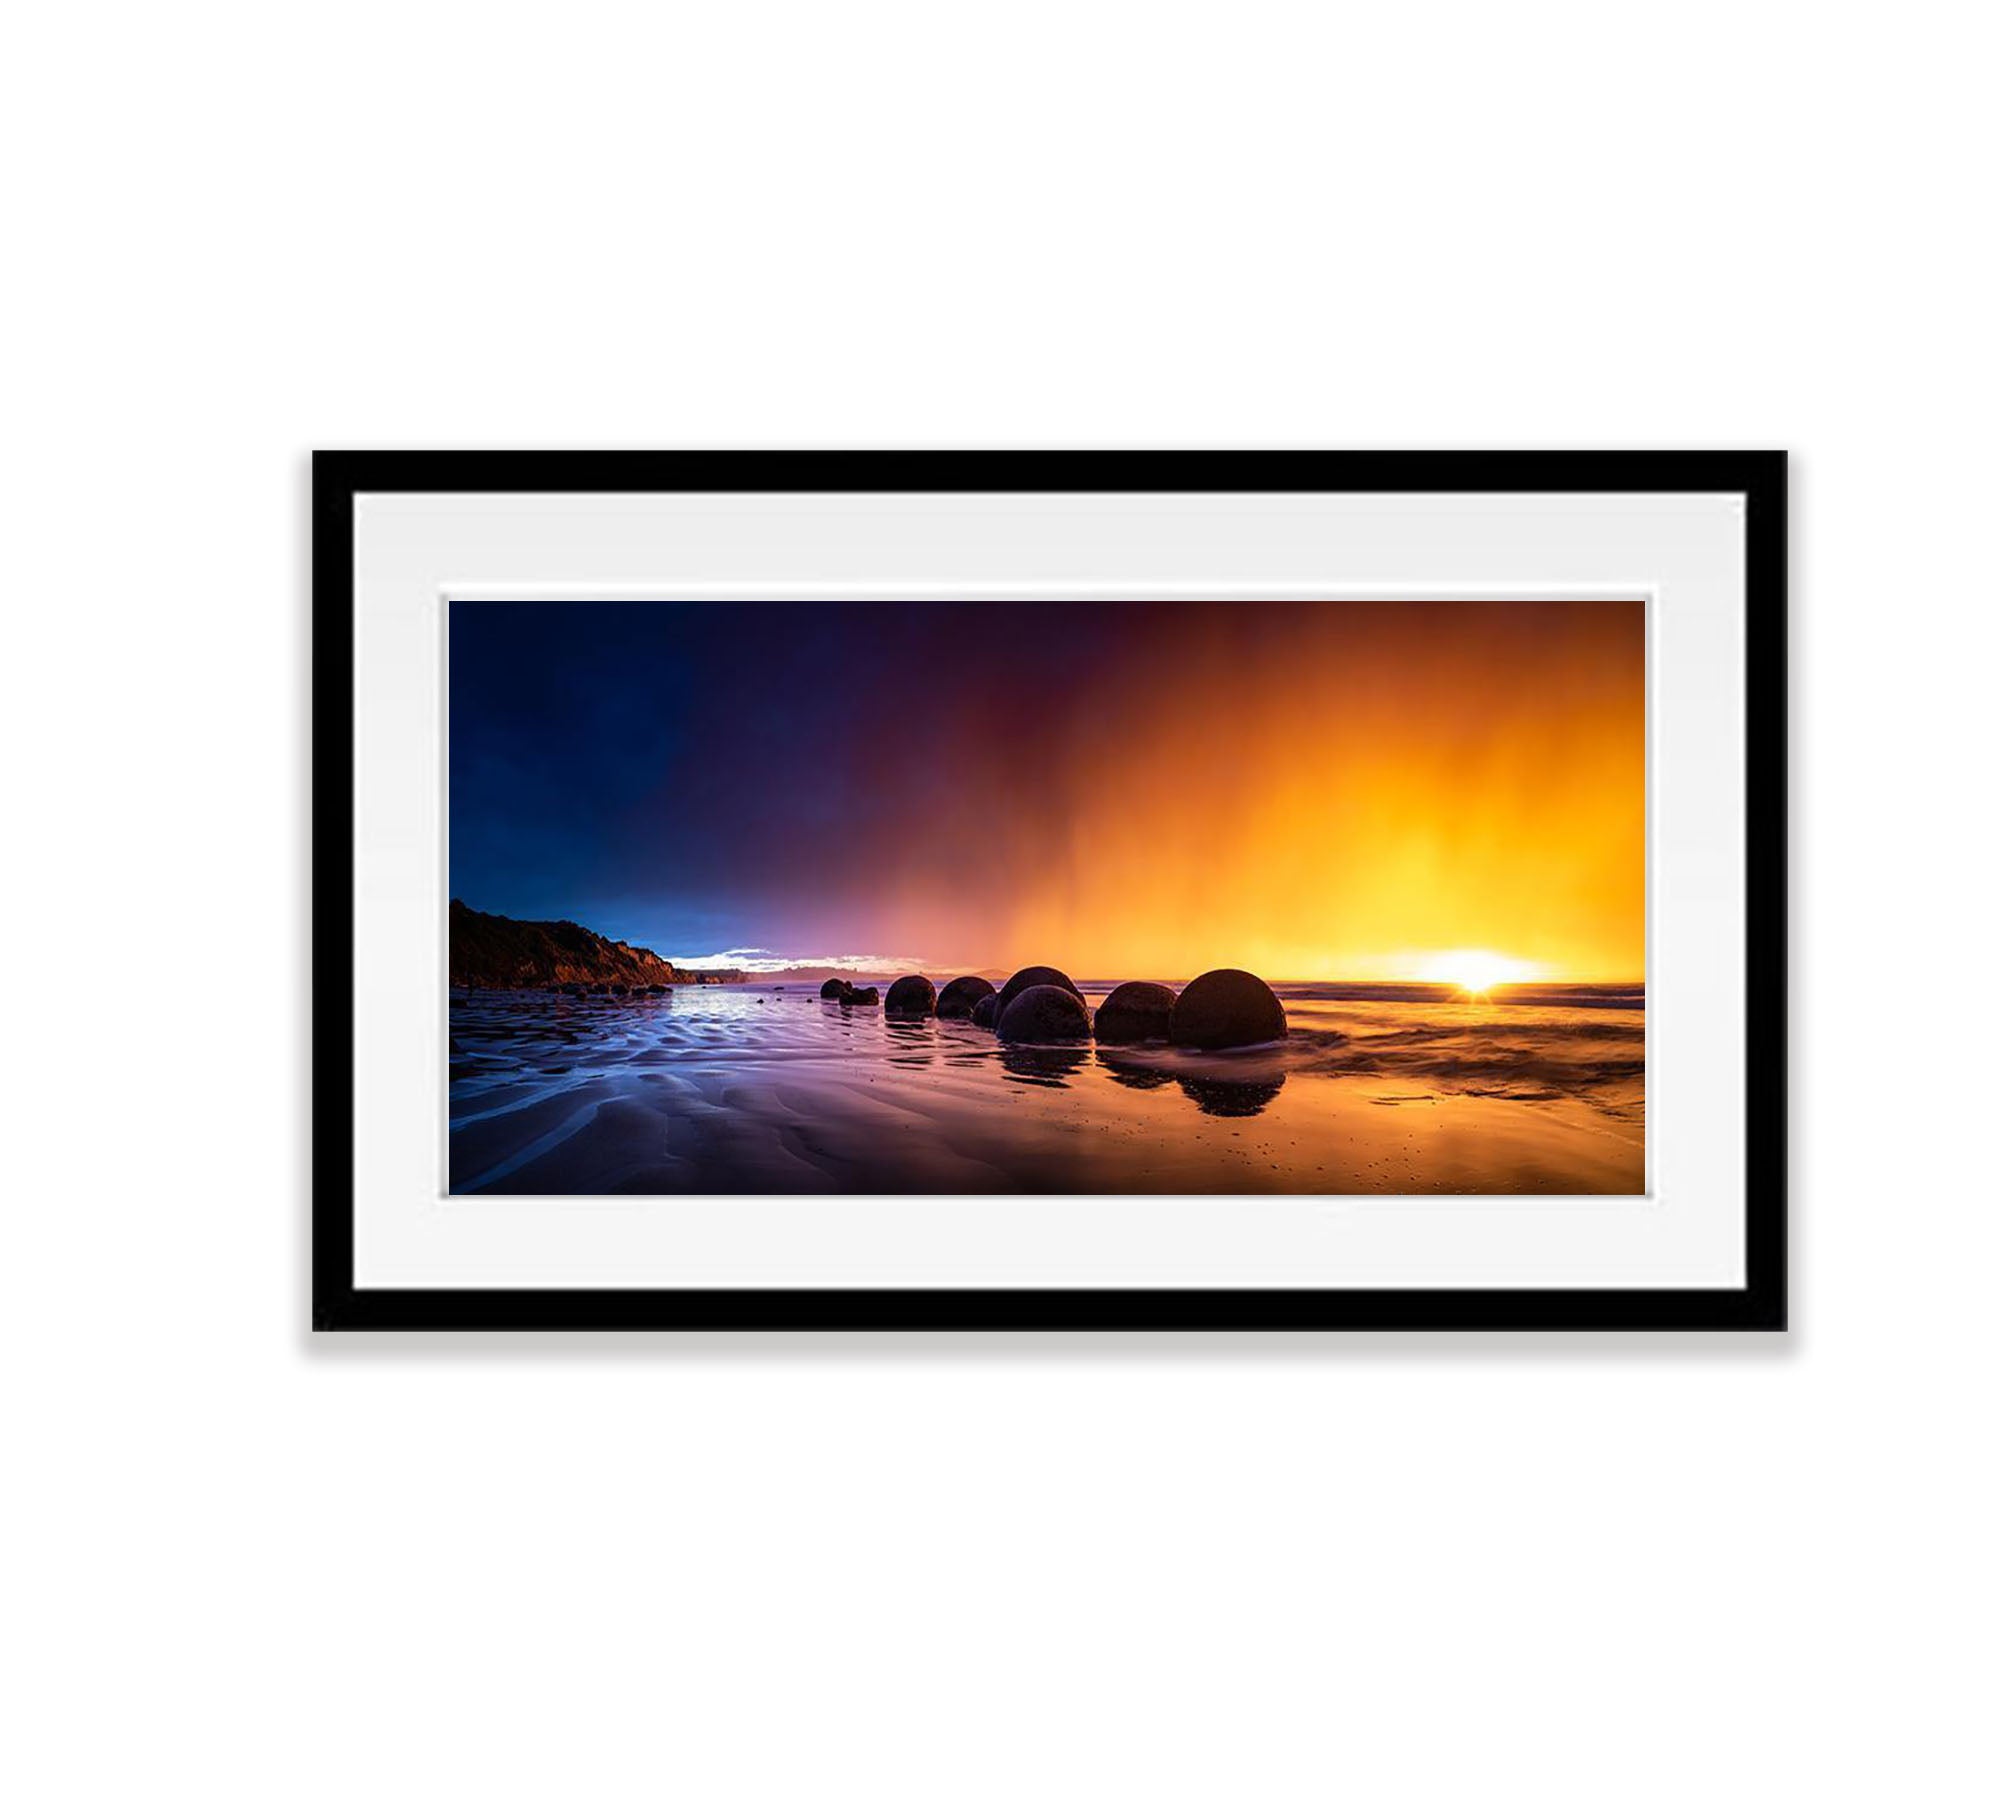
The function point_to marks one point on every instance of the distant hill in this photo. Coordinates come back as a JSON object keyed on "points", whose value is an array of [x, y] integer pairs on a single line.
{"points": [[488, 951]]}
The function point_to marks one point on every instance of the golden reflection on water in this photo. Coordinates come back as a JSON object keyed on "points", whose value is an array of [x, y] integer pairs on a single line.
{"points": [[1367, 1094]]}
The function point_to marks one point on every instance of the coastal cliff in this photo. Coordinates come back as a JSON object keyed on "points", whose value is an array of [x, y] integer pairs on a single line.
{"points": [[488, 951]]}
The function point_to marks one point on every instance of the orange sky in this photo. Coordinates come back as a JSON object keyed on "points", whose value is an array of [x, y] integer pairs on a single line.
{"points": [[1347, 791], [1338, 789]]}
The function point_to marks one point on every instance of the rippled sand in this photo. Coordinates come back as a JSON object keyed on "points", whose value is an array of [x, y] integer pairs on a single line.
{"points": [[748, 1090]]}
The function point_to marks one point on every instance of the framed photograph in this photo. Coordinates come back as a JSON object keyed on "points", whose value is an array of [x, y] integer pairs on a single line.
{"points": [[1066, 891]]}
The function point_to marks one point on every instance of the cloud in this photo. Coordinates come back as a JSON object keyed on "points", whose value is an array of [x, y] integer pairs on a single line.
{"points": [[754, 960]]}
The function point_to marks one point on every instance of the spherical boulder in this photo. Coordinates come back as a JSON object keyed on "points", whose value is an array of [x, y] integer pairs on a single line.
{"points": [[1044, 1015], [986, 1011], [1133, 1012], [1225, 1008], [911, 996], [959, 996], [834, 989], [1035, 976], [860, 997]]}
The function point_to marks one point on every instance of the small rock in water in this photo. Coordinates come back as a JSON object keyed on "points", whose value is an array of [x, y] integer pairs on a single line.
{"points": [[1226, 1008], [860, 997], [834, 989], [986, 1011], [912, 996], [1133, 1012], [1036, 975], [961, 995], [1044, 1015]]}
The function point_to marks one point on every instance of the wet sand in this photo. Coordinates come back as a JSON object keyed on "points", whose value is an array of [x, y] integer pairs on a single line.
{"points": [[749, 1090]]}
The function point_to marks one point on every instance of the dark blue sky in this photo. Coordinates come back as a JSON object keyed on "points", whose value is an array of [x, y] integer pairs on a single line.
{"points": [[701, 777]]}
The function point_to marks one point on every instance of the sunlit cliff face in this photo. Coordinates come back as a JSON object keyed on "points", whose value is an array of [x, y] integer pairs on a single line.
{"points": [[1336, 790]]}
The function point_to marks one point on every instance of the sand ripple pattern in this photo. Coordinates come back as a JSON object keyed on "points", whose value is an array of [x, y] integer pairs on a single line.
{"points": [[747, 1090]]}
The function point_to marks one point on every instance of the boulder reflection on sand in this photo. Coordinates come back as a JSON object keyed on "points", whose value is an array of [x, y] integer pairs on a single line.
{"points": [[912, 1042], [1042, 1065], [1131, 1072], [1232, 1096]]}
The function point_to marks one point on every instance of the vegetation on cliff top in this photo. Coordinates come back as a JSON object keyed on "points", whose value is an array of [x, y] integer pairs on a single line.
{"points": [[488, 951]]}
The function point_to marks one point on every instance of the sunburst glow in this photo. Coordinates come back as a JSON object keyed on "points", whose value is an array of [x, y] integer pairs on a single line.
{"points": [[1476, 971]]}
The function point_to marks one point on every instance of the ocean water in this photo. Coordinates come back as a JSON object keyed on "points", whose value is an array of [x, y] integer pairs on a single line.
{"points": [[766, 1088]]}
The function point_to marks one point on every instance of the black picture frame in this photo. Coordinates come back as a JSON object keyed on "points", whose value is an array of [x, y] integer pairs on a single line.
{"points": [[1758, 476]]}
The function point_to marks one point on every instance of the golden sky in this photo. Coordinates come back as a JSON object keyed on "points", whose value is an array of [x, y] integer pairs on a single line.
{"points": [[1346, 791], [1312, 790]]}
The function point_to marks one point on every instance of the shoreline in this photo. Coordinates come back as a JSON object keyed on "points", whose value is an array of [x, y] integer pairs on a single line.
{"points": [[758, 1089]]}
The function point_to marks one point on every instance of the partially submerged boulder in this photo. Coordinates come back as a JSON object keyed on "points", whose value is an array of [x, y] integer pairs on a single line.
{"points": [[986, 1011], [860, 997], [1036, 975], [1223, 1009], [911, 997], [959, 996], [1045, 1014], [1134, 1012], [835, 989]]}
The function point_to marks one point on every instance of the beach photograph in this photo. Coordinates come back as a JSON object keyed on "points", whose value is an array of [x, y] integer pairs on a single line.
{"points": [[914, 896]]}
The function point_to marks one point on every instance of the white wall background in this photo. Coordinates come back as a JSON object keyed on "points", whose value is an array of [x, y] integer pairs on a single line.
{"points": [[240, 1564]]}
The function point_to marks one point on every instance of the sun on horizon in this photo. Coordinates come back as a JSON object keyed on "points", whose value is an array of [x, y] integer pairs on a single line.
{"points": [[1476, 971]]}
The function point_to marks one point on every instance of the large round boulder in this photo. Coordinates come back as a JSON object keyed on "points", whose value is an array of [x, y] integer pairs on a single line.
{"points": [[911, 997], [958, 997], [1225, 1008], [986, 1011], [834, 988], [1036, 976], [1134, 1012], [1044, 1015]]}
